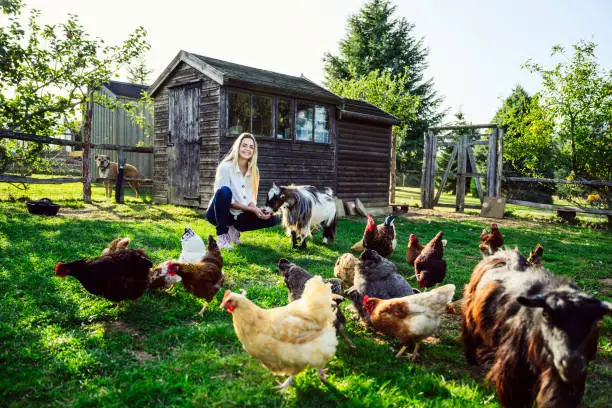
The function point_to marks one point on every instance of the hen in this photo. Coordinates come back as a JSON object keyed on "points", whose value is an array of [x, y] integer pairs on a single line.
{"points": [[118, 244], [287, 339], [203, 278], [490, 242], [429, 267], [411, 318], [345, 268], [376, 277], [535, 256], [295, 279], [193, 248], [413, 250], [116, 276], [380, 238]]}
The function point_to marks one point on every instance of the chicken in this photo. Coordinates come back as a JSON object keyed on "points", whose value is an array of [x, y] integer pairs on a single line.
{"points": [[380, 238], [193, 248], [116, 276], [345, 268], [413, 250], [163, 278], [411, 318], [376, 277], [490, 242], [535, 256], [429, 267], [118, 244], [288, 339], [203, 278], [295, 281]]}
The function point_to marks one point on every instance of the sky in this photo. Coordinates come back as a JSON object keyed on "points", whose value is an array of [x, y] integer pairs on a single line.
{"points": [[476, 48]]}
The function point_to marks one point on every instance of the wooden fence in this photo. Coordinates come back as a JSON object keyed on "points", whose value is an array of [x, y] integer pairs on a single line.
{"points": [[86, 175], [494, 174]]}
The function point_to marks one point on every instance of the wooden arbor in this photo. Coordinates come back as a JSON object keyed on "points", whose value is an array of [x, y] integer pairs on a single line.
{"points": [[462, 144]]}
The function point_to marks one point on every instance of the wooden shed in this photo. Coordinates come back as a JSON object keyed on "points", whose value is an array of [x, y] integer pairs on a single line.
{"points": [[305, 133], [115, 127]]}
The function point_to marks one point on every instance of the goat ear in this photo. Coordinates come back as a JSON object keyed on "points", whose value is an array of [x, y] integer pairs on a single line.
{"points": [[532, 301]]}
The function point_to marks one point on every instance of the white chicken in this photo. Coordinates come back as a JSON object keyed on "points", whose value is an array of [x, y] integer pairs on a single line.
{"points": [[193, 247]]}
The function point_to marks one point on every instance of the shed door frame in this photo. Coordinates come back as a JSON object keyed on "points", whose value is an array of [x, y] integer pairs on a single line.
{"points": [[184, 145]]}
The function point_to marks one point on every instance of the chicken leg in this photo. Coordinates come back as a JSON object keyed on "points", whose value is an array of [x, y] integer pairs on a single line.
{"points": [[282, 387], [343, 331], [323, 375], [201, 312]]}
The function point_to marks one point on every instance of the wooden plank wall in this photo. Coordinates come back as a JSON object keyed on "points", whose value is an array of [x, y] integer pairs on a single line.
{"points": [[115, 127], [209, 123], [364, 152], [287, 161]]}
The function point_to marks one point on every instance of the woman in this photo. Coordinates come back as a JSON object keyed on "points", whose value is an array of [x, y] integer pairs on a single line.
{"points": [[232, 208]]}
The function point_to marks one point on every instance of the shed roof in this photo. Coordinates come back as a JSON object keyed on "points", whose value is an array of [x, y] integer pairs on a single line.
{"points": [[358, 108], [229, 73], [126, 89]]}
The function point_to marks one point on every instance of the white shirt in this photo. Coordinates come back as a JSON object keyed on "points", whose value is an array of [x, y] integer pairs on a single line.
{"points": [[240, 185]]}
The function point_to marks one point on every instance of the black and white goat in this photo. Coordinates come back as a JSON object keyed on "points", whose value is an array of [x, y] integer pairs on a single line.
{"points": [[303, 208]]}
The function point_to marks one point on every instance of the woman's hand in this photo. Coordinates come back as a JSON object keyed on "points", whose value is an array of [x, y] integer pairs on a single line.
{"points": [[260, 213]]}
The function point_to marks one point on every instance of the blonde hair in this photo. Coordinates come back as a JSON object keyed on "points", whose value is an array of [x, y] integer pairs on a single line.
{"points": [[232, 156]]}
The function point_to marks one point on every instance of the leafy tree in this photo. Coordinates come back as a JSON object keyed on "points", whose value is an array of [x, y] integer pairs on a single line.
{"points": [[577, 94], [377, 40], [388, 92], [47, 72], [138, 72]]}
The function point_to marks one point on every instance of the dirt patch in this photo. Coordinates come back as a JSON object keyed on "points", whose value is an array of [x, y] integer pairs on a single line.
{"points": [[119, 326], [141, 355], [606, 281], [418, 213]]}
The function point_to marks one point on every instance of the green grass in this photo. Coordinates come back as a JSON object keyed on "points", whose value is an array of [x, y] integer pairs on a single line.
{"points": [[62, 346]]}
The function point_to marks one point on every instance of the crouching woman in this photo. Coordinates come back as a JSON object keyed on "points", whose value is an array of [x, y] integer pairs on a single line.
{"points": [[233, 207]]}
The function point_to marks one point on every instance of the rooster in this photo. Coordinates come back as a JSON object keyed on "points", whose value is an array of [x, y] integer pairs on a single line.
{"points": [[193, 248], [429, 267], [490, 242], [411, 318], [295, 280], [203, 278], [116, 276], [380, 238], [288, 339], [376, 277]]}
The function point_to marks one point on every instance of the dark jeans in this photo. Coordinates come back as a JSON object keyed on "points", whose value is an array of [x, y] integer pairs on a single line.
{"points": [[218, 213]]}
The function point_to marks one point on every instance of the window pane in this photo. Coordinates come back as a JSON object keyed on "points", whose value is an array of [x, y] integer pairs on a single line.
{"points": [[238, 113], [283, 114], [262, 115], [303, 121], [322, 124]]}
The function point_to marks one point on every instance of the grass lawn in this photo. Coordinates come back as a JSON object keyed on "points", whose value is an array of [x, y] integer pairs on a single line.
{"points": [[62, 346]]}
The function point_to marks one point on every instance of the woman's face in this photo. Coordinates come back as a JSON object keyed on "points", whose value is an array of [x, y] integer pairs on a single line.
{"points": [[246, 148]]}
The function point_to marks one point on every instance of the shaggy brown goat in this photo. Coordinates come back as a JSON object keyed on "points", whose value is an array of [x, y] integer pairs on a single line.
{"points": [[540, 330]]}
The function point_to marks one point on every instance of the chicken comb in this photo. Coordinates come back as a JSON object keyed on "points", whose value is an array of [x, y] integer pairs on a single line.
{"points": [[365, 299]]}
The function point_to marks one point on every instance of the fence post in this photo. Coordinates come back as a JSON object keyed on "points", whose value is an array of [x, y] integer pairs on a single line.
{"points": [[500, 164], [86, 133], [492, 163], [119, 183], [429, 164], [461, 170]]}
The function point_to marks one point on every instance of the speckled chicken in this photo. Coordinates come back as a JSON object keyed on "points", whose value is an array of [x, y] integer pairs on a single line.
{"points": [[429, 267], [345, 268], [295, 280]]}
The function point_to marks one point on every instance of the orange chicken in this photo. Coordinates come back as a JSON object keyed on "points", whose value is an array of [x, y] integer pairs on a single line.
{"points": [[490, 242]]}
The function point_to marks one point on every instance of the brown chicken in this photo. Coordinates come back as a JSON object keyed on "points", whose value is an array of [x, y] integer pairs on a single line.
{"points": [[413, 250], [535, 256], [490, 242], [380, 238], [203, 278], [118, 244], [290, 338], [411, 318], [116, 276], [429, 267], [345, 268]]}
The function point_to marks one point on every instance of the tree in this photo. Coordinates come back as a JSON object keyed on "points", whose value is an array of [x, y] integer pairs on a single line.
{"points": [[48, 71], [388, 92], [138, 73], [377, 40], [577, 94]]}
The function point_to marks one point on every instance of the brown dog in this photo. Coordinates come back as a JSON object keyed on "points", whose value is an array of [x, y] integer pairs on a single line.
{"points": [[108, 170]]}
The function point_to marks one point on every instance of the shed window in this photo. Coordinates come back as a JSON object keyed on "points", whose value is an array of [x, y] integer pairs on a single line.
{"points": [[249, 113], [311, 118], [283, 119]]}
